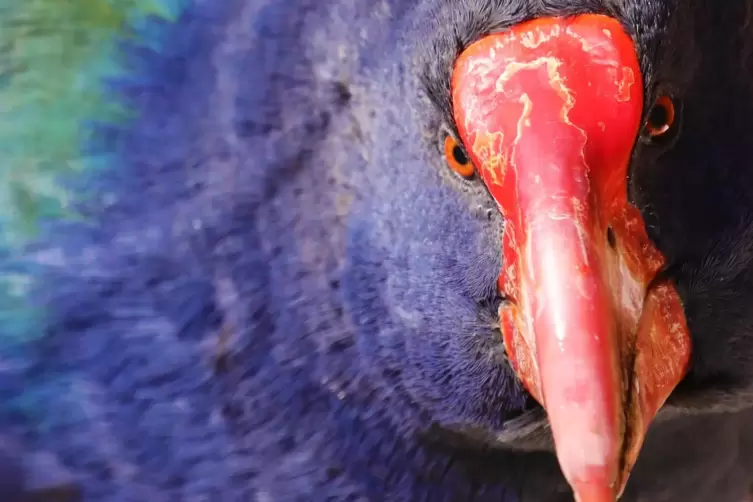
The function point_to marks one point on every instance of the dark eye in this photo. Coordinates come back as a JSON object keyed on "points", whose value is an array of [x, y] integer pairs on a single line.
{"points": [[661, 118], [457, 158]]}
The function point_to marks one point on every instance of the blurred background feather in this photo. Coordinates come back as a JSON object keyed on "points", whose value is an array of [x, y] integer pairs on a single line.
{"points": [[56, 60]]}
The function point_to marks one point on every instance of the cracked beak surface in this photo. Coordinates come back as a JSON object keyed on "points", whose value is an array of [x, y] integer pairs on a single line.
{"points": [[549, 111]]}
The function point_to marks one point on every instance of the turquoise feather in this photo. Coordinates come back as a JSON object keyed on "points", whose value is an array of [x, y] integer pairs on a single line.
{"points": [[56, 61]]}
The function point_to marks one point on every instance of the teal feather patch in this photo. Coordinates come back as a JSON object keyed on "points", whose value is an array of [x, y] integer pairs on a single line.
{"points": [[55, 60]]}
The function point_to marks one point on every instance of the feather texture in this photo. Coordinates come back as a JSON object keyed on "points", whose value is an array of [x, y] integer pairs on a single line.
{"points": [[56, 59], [242, 272]]}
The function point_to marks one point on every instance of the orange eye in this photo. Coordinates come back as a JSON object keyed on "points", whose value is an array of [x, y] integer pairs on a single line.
{"points": [[662, 117], [456, 158]]}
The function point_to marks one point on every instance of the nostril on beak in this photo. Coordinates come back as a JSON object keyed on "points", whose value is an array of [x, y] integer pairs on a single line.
{"points": [[611, 238]]}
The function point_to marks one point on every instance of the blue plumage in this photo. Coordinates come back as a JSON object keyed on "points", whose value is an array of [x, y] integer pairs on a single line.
{"points": [[278, 292]]}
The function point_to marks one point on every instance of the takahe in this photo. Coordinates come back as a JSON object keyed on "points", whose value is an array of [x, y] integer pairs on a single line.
{"points": [[392, 250]]}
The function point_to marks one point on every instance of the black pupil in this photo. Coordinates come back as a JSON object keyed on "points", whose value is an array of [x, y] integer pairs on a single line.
{"points": [[658, 117], [459, 155]]}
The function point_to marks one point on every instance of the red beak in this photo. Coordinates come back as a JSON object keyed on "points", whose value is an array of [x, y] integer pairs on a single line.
{"points": [[550, 111]]}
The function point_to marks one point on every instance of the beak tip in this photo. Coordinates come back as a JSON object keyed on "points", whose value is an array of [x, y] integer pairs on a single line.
{"points": [[593, 492]]}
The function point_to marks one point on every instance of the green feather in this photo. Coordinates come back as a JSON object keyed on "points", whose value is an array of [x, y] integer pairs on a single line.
{"points": [[54, 55]]}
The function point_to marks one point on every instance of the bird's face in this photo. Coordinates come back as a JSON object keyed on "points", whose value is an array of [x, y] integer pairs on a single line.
{"points": [[573, 232]]}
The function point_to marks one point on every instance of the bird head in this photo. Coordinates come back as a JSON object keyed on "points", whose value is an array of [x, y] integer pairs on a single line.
{"points": [[549, 111], [576, 237]]}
